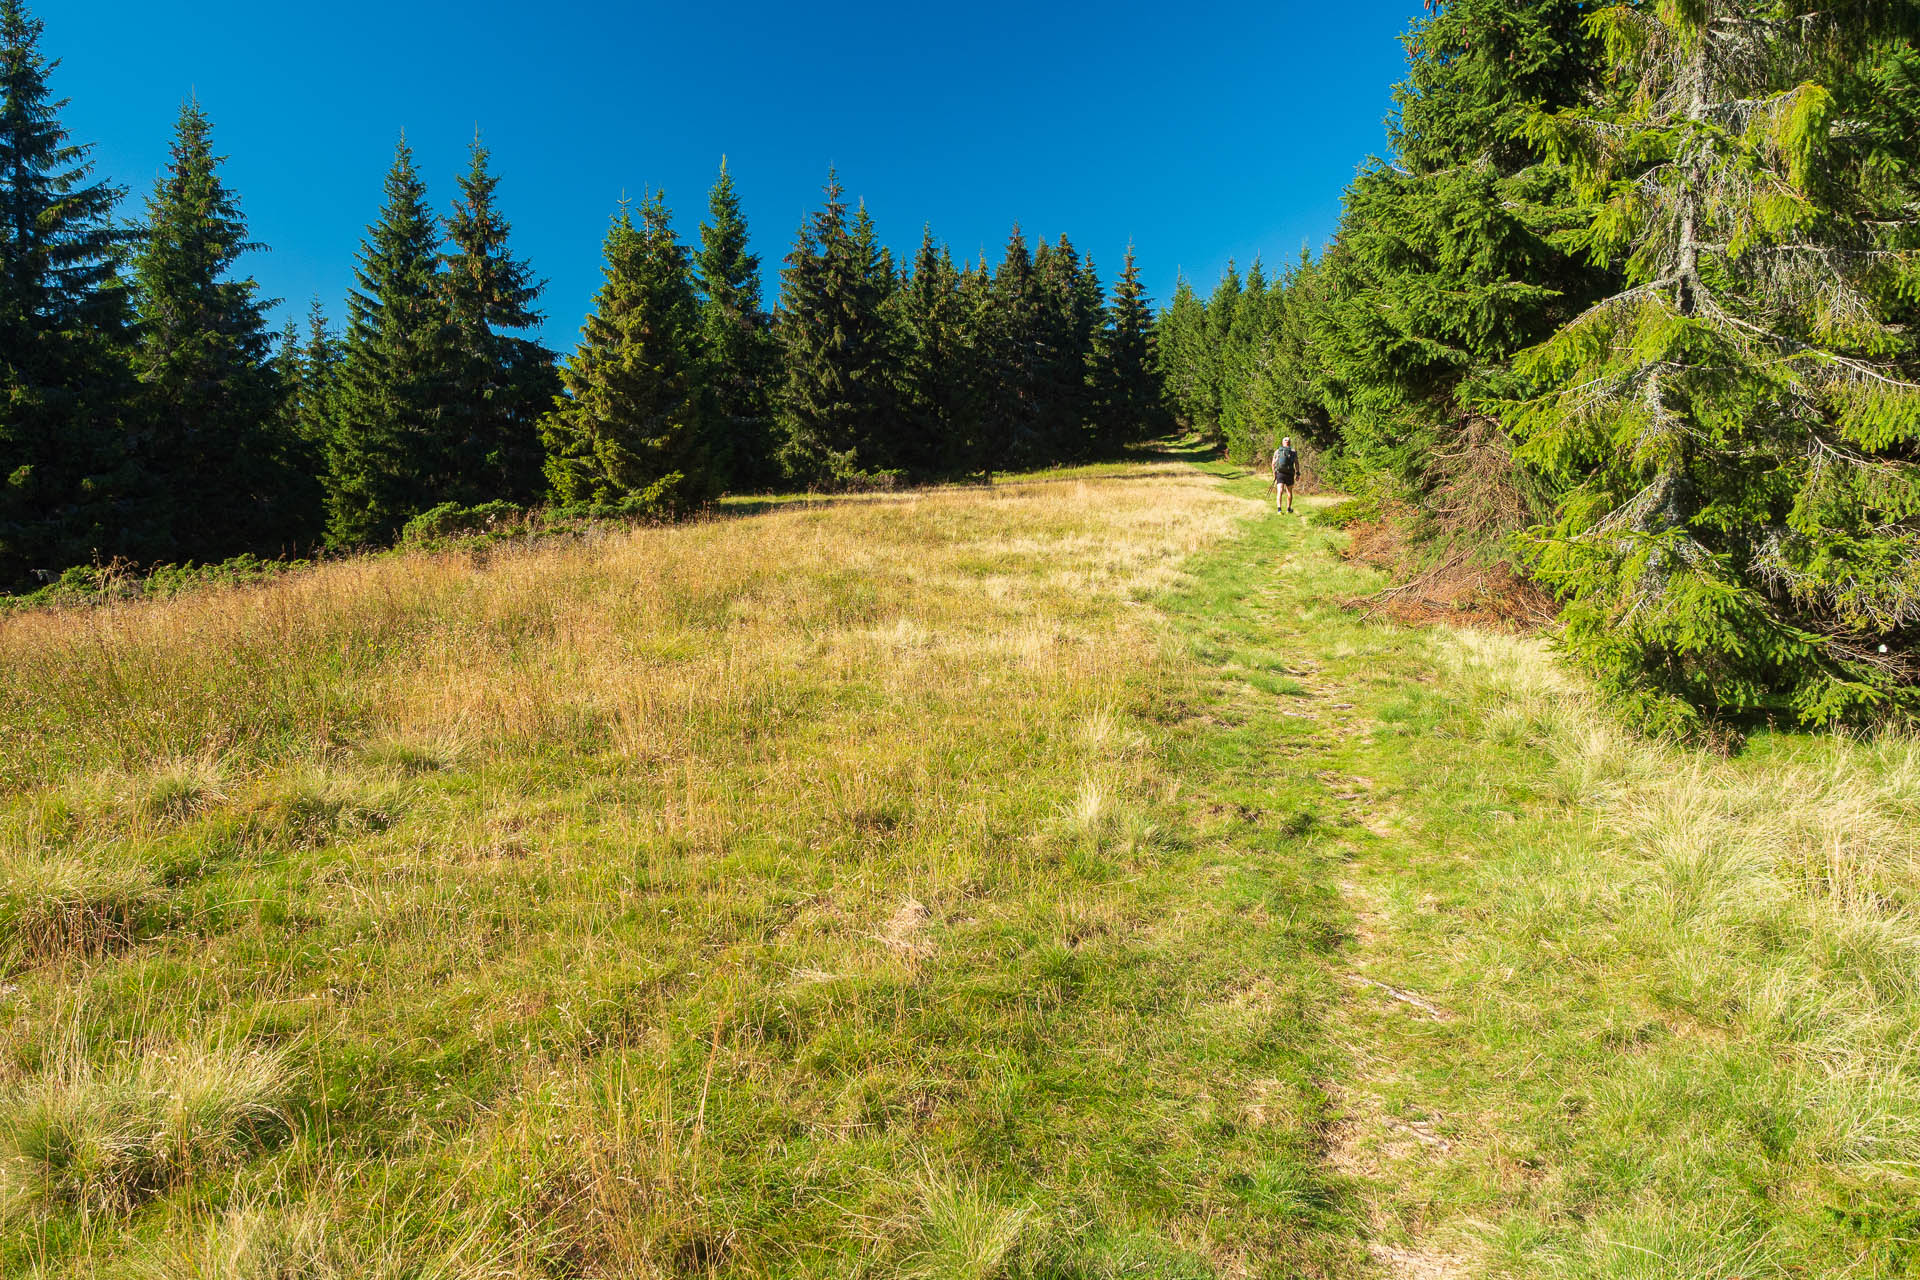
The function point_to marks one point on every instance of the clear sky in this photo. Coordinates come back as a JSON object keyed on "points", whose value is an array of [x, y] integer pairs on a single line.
{"points": [[1201, 131]]}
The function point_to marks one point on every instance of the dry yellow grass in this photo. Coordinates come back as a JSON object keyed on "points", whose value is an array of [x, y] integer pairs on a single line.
{"points": [[642, 638]]}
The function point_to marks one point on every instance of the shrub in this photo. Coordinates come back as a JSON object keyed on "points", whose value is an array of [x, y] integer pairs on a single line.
{"points": [[451, 520]]}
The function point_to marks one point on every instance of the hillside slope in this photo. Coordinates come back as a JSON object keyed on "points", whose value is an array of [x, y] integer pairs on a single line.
{"points": [[1045, 881]]}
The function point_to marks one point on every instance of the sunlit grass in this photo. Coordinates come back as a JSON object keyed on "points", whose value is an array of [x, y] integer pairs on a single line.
{"points": [[1039, 881], [810, 892], [1689, 986], [103, 1137]]}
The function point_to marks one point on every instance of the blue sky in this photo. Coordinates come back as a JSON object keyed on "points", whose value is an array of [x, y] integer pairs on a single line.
{"points": [[1201, 131]]}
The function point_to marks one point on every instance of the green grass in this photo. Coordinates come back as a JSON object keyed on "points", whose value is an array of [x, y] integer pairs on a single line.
{"points": [[1672, 1001], [1050, 880], [837, 891]]}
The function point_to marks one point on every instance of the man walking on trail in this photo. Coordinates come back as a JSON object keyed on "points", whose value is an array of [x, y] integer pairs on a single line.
{"points": [[1286, 466]]}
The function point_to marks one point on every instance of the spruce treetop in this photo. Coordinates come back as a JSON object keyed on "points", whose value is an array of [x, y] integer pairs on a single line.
{"points": [[729, 275], [485, 284], [630, 429], [400, 259], [58, 248], [195, 321]]}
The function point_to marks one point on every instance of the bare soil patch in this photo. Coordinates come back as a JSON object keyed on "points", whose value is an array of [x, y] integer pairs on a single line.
{"points": [[1459, 590]]}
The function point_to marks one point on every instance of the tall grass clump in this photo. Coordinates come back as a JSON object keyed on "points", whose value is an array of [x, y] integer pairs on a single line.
{"points": [[258, 1240], [84, 901], [254, 1242], [965, 1234], [104, 1137]]}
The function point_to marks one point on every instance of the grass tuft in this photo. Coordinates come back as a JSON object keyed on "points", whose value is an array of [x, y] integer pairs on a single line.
{"points": [[967, 1235], [107, 1137], [177, 790], [416, 753], [83, 903]]}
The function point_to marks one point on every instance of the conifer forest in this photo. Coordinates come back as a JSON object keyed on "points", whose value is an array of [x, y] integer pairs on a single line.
{"points": [[1631, 307], [152, 417], [1628, 309]]}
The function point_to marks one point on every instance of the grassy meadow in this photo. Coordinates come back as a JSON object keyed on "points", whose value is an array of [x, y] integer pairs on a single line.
{"points": [[1045, 881]]}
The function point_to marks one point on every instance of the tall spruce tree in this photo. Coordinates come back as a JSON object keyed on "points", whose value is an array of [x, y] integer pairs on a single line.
{"points": [[505, 380], [887, 443], [65, 471], [220, 476], [940, 374], [392, 451], [1287, 396], [1180, 342], [1017, 380], [737, 336], [1215, 339], [289, 375], [1447, 262], [629, 431], [838, 400], [1241, 356], [1735, 433], [1130, 402], [1069, 318], [984, 447], [1089, 329]]}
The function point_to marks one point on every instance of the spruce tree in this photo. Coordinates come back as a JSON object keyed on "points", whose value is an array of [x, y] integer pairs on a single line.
{"points": [[1018, 359], [506, 380], [887, 443], [1130, 402], [1056, 376], [737, 336], [1287, 396], [1078, 302], [838, 403], [392, 451], [1180, 342], [1089, 329], [319, 382], [289, 357], [629, 431], [874, 258], [219, 475], [1735, 432], [1448, 262], [985, 446], [65, 380], [940, 374], [1223, 309], [304, 455], [1241, 355]]}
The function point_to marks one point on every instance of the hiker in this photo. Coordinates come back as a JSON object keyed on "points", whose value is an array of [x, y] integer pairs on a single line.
{"points": [[1286, 466]]}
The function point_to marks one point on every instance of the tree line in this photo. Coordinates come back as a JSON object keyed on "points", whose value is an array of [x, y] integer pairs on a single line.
{"points": [[151, 415], [1632, 304]]}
